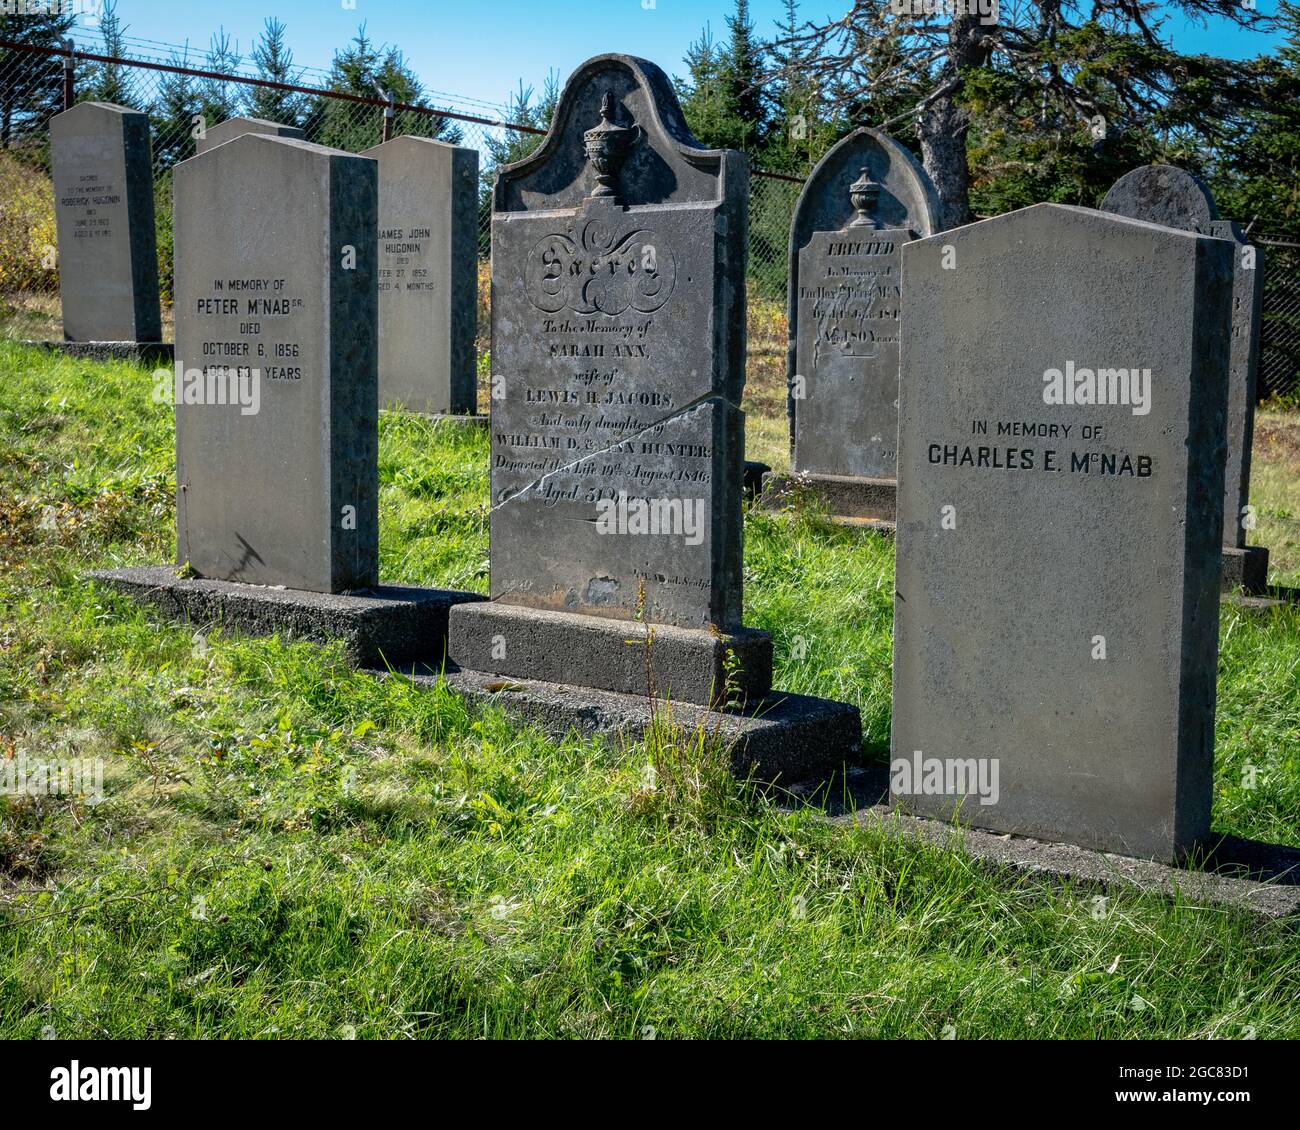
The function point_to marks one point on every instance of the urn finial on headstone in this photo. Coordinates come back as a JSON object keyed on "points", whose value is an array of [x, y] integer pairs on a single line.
{"points": [[863, 194], [606, 145]]}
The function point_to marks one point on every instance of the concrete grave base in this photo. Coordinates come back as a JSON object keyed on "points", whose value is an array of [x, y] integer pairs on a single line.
{"points": [[145, 352], [783, 738], [387, 624], [1259, 877], [1245, 569], [684, 664], [848, 499]]}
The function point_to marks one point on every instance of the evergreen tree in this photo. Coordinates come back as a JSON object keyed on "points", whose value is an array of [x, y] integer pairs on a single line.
{"points": [[108, 82], [702, 94], [515, 145], [742, 80], [1063, 77], [363, 68], [177, 106], [274, 62], [218, 99], [1256, 173], [723, 98], [31, 89], [805, 124]]}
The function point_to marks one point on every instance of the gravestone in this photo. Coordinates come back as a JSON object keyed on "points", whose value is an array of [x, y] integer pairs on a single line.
{"points": [[102, 171], [1162, 194], [276, 387], [866, 198], [618, 353], [1061, 453], [428, 274], [232, 128]]}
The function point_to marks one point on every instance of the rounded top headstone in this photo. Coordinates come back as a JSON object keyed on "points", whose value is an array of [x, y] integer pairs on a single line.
{"points": [[618, 133], [871, 169], [1163, 194]]}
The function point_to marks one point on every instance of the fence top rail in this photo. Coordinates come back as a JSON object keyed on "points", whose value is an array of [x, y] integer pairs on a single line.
{"points": [[269, 84], [291, 88]]}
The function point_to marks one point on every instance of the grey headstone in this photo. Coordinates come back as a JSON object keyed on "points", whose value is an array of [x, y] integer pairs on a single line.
{"points": [[103, 205], [864, 200], [275, 276], [1162, 194], [1020, 555], [428, 274], [232, 128], [618, 350]]}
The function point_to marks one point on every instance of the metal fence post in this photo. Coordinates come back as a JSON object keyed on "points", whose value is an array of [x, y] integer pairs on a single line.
{"points": [[386, 133], [69, 75]]}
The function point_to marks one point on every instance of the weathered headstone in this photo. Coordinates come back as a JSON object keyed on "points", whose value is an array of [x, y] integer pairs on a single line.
{"points": [[866, 198], [618, 347], [276, 387], [1061, 452], [428, 274], [232, 128], [1162, 194], [103, 205]]}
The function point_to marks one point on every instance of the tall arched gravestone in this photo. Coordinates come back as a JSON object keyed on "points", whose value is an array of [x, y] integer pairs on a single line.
{"points": [[618, 361], [102, 171], [618, 353], [1060, 504], [1163, 194], [866, 198], [277, 408]]}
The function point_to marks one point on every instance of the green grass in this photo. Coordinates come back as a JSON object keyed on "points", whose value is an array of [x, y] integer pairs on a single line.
{"points": [[289, 848]]}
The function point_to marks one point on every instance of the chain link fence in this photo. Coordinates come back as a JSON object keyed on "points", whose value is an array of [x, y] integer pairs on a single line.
{"points": [[1279, 354], [181, 100]]}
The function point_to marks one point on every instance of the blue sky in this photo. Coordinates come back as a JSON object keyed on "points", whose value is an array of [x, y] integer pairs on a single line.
{"points": [[480, 50]]}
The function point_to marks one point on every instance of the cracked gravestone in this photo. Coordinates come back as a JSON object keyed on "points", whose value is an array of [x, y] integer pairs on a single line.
{"points": [[275, 385], [1163, 194], [865, 199], [102, 173], [1061, 452], [232, 128], [618, 345], [428, 274]]}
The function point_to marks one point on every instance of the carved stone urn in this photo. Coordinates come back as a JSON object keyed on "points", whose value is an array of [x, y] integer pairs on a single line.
{"points": [[607, 145]]}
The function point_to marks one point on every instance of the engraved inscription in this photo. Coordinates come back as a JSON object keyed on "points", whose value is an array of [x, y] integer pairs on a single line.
{"points": [[602, 272]]}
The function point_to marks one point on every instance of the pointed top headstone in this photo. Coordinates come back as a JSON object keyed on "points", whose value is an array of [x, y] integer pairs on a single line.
{"points": [[102, 172]]}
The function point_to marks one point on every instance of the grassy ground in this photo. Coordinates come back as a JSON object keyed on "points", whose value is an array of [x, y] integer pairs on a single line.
{"points": [[1275, 493], [288, 848]]}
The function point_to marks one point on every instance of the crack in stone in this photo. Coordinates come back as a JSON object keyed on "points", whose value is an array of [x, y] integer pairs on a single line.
{"points": [[630, 438]]}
